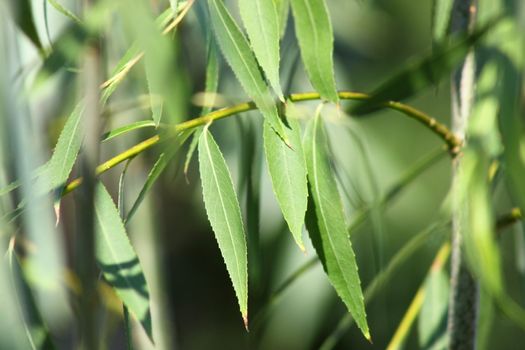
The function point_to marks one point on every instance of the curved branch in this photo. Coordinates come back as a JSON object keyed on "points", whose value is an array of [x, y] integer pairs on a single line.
{"points": [[453, 143]]}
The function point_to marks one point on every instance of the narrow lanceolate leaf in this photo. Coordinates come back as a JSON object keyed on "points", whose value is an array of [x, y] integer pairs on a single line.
{"points": [[237, 52], [224, 213], [23, 16], [127, 128], [326, 225], [117, 259], [288, 174], [261, 21], [283, 10], [441, 13], [67, 147], [316, 42]]}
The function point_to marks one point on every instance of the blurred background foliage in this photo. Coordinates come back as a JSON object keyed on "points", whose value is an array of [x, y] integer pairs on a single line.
{"points": [[192, 299]]}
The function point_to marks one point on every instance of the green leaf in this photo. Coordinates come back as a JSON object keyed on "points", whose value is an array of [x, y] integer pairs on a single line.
{"points": [[316, 42], [117, 259], [283, 10], [67, 148], [288, 174], [64, 11], [239, 56], [261, 21], [156, 171], [224, 213], [127, 128], [441, 13], [428, 71], [23, 12], [326, 225], [432, 322]]}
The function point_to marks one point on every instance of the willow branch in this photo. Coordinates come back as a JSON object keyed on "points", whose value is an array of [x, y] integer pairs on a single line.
{"points": [[441, 130]]}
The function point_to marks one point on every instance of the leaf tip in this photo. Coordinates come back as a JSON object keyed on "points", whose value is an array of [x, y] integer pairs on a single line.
{"points": [[245, 321], [368, 336]]}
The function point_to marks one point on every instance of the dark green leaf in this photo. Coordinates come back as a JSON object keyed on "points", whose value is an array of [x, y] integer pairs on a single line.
{"points": [[23, 12], [432, 322]]}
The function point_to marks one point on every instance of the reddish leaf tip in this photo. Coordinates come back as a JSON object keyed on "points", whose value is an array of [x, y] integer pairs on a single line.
{"points": [[245, 321]]}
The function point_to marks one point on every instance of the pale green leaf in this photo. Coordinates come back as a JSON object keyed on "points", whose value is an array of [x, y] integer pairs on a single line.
{"points": [[64, 11], [238, 54], [441, 11], [127, 128], [316, 42], [288, 174], [261, 21], [224, 213], [283, 10], [67, 148], [326, 225], [117, 259]]}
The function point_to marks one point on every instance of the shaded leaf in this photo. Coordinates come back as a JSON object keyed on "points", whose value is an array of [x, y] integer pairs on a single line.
{"points": [[127, 128], [117, 259], [432, 322], [441, 14], [64, 11], [261, 21], [23, 12], [239, 56], [326, 225], [288, 174], [428, 71], [316, 42], [224, 213]]}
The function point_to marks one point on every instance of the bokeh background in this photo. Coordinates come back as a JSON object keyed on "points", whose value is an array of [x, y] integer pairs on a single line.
{"points": [[194, 301]]}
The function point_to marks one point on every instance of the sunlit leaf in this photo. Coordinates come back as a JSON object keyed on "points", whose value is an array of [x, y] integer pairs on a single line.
{"points": [[224, 213], [316, 41], [127, 128], [117, 259], [283, 10], [288, 174], [261, 20], [60, 8], [326, 225], [238, 54]]}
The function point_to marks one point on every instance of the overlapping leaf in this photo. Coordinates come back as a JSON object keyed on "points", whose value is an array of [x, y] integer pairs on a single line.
{"points": [[23, 12], [117, 259], [238, 54], [261, 21], [316, 40], [288, 174], [224, 213], [326, 225]]}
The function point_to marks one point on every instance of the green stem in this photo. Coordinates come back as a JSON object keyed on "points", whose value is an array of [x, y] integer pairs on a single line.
{"points": [[453, 143]]}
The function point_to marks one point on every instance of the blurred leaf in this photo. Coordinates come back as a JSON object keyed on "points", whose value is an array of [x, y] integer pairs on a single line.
{"points": [[283, 10], [64, 11], [288, 174], [127, 128], [124, 65], [432, 326], [36, 330], [67, 148], [224, 214], [428, 71], [441, 13], [262, 25], [24, 19], [326, 224], [156, 171], [117, 259], [316, 41], [238, 54]]}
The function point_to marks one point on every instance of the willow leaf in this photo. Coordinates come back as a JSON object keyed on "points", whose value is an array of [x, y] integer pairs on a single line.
{"points": [[224, 213], [283, 10], [127, 128], [441, 13], [117, 259], [261, 21], [316, 42], [432, 319], [23, 16], [67, 148], [288, 174], [239, 56], [326, 225], [64, 11]]}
